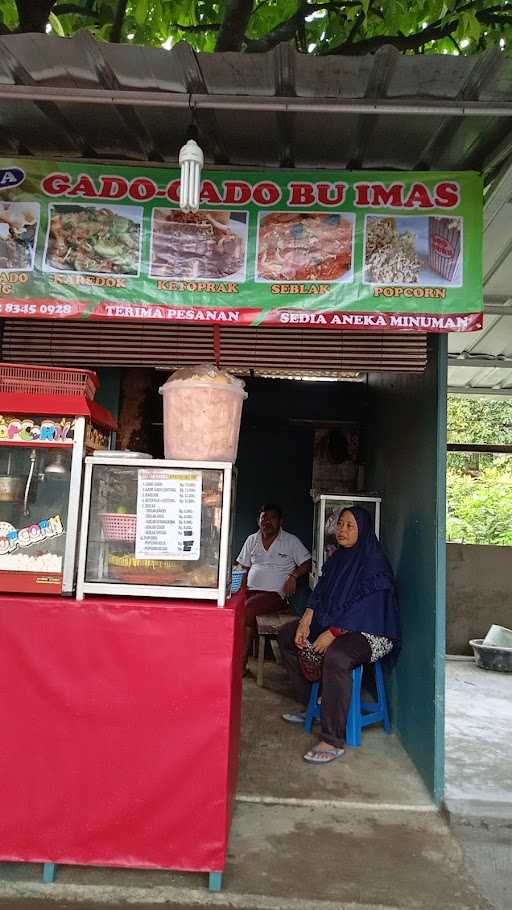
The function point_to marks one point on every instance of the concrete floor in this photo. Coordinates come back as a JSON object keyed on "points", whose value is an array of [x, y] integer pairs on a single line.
{"points": [[487, 855], [272, 765], [478, 741], [479, 774], [37, 904], [361, 834], [295, 858]]}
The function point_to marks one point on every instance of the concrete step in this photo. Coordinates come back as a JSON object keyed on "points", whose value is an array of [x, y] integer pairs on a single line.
{"points": [[286, 857], [480, 813]]}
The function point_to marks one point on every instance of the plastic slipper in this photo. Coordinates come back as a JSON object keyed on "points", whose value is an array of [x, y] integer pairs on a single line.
{"points": [[297, 717], [314, 756], [294, 718]]}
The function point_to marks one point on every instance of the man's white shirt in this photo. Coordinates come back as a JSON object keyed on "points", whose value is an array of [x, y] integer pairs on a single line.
{"points": [[269, 569]]}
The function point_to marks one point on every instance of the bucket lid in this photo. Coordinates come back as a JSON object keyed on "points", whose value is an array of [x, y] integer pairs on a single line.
{"points": [[205, 374], [498, 636]]}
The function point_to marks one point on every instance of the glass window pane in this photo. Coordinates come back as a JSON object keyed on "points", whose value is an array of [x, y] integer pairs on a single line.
{"points": [[113, 552], [34, 496]]}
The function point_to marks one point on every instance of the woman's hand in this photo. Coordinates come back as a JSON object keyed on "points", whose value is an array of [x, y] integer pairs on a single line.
{"points": [[301, 635], [323, 642]]}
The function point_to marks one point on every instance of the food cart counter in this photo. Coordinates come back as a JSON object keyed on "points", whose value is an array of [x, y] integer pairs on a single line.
{"points": [[120, 732], [121, 710], [48, 422]]}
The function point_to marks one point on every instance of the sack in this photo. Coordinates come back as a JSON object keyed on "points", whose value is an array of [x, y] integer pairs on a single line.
{"points": [[310, 662]]}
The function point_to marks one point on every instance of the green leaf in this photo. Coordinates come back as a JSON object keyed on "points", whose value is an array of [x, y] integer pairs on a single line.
{"points": [[154, 21], [141, 11], [103, 33], [479, 486], [470, 25], [56, 25], [9, 14], [437, 9]]}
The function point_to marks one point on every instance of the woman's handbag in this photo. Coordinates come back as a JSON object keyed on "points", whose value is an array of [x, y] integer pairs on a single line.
{"points": [[310, 662]]}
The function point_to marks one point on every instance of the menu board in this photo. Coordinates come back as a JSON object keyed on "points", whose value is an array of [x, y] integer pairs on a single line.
{"points": [[168, 514], [340, 249]]}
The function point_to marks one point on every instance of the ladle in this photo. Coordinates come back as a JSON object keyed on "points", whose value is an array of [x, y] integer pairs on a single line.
{"points": [[33, 456]]}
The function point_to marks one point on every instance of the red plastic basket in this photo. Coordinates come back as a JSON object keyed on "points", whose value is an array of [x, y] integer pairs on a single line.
{"points": [[121, 526], [43, 380]]}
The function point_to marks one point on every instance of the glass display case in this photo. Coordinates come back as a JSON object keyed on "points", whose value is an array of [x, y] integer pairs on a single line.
{"points": [[327, 508], [41, 458], [156, 528]]}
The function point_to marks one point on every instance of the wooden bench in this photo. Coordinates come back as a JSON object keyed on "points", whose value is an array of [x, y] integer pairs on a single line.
{"points": [[269, 626]]}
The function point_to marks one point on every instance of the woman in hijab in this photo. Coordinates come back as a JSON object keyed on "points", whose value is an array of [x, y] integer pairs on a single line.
{"points": [[352, 619]]}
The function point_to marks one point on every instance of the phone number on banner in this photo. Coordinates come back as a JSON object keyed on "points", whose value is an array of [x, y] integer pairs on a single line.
{"points": [[43, 308]]}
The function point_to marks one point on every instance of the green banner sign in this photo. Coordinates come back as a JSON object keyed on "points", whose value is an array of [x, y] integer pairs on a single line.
{"points": [[360, 250]]}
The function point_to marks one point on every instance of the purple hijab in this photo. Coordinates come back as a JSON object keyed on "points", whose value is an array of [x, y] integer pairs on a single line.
{"points": [[356, 590]]}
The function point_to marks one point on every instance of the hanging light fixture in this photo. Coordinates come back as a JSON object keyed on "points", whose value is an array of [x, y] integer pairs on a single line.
{"points": [[191, 162]]}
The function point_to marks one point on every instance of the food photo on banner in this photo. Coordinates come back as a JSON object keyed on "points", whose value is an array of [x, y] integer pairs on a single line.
{"points": [[361, 250]]}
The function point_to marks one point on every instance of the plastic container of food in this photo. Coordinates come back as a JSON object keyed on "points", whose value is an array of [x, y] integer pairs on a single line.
{"points": [[490, 657], [202, 413], [237, 577]]}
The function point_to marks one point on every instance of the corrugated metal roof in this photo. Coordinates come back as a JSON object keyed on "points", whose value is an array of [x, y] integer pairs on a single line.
{"points": [[69, 98], [482, 361], [140, 109]]}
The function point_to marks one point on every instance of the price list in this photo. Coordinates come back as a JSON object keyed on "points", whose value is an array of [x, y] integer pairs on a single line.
{"points": [[168, 514]]}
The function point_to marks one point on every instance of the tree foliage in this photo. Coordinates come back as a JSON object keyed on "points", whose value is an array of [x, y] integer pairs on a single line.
{"points": [[479, 420], [328, 27], [479, 485], [480, 507]]}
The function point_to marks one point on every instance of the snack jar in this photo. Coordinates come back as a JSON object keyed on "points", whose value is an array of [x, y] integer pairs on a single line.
{"points": [[202, 413]]}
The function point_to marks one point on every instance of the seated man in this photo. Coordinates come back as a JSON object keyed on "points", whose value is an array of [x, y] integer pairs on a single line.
{"points": [[275, 560]]}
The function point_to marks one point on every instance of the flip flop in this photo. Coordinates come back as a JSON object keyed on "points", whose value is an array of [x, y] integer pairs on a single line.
{"points": [[313, 756], [297, 717]]}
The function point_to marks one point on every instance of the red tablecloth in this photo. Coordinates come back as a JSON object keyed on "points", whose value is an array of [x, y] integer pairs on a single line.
{"points": [[120, 725]]}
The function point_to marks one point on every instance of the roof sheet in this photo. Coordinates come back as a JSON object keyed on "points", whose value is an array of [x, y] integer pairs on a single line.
{"points": [[482, 360], [264, 137], [258, 110]]}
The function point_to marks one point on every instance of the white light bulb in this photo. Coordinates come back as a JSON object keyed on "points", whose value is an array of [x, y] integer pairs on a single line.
{"points": [[191, 161]]}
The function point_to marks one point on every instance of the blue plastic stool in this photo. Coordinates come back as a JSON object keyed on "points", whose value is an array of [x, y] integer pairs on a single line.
{"points": [[361, 713]]}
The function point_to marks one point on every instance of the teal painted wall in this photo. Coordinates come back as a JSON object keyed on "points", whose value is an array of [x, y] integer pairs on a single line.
{"points": [[275, 454], [403, 422], [109, 390], [406, 445]]}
